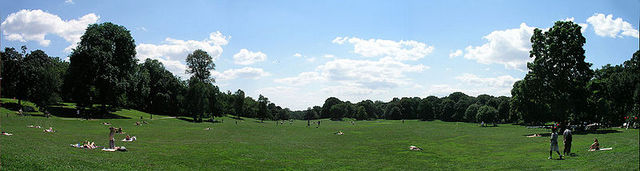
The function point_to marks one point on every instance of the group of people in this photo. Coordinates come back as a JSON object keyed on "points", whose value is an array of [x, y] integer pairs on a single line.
{"points": [[567, 137]]}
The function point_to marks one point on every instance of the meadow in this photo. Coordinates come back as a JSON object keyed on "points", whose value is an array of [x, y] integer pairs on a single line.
{"points": [[169, 143]]}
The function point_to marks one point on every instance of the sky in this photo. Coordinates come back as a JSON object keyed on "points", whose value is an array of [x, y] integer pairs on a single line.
{"points": [[299, 53]]}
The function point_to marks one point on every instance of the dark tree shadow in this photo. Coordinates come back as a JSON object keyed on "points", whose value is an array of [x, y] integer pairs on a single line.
{"points": [[606, 131], [71, 113], [541, 134], [185, 119]]}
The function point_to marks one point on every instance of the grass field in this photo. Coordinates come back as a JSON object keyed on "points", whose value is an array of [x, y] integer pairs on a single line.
{"points": [[175, 144]]}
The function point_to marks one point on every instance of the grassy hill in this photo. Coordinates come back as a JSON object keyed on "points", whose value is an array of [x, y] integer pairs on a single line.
{"points": [[176, 144]]}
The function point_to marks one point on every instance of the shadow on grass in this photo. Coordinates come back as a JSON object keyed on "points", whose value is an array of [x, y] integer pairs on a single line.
{"points": [[606, 131], [71, 113], [16, 107]]}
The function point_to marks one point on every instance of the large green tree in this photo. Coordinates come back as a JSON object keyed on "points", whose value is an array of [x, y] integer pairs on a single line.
{"points": [[102, 65], [41, 80], [559, 69], [200, 65]]}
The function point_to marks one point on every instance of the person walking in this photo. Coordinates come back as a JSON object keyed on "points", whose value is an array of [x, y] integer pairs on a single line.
{"points": [[568, 137], [554, 144]]}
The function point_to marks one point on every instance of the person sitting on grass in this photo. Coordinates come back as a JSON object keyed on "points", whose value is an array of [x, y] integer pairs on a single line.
{"points": [[119, 130], [554, 144], [49, 130], [595, 145]]}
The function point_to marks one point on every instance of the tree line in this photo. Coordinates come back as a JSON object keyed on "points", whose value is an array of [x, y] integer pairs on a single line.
{"points": [[103, 75]]}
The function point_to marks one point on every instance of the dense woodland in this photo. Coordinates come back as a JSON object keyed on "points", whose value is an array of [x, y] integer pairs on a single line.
{"points": [[103, 74]]}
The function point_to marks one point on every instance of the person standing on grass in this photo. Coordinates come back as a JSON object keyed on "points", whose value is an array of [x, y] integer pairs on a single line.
{"points": [[554, 144], [112, 132], [568, 137]]}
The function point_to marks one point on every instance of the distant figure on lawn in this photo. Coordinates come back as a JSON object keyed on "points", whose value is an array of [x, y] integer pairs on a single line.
{"points": [[568, 137], [112, 142], [554, 144], [308, 123], [318, 124], [595, 145]]}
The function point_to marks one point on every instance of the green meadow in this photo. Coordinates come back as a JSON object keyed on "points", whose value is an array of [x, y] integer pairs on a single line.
{"points": [[169, 143]]}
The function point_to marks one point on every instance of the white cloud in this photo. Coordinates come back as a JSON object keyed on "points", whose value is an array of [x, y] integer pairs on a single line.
{"points": [[500, 81], [297, 55], [383, 73], [173, 52], [301, 79], [34, 25], [246, 57], [583, 26], [69, 2], [606, 26], [246, 73], [455, 54], [399, 50], [141, 29], [507, 47], [329, 56], [291, 97]]}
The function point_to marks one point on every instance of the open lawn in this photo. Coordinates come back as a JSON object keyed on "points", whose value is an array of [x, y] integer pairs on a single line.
{"points": [[175, 144]]}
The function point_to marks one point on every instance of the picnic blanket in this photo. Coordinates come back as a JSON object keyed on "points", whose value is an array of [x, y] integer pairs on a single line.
{"points": [[602, 149]]}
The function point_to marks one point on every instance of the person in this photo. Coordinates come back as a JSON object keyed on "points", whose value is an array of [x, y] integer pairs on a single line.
{"points": [[595, 145], [414, 148], [112, 142], [49, 130], [6, 133], [567, 137], [318, 124], [236, 122], [308, 123], [554, 144], [137, 123], [339, 133]]}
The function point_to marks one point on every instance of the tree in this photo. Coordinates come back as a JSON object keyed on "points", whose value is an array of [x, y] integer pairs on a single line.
{"points": [[338, 111], [486, 114], [11, 72], [425, 110], [471, 112], [41, 81], [361, 113], [560, 69], [197, 98], [326, 107], [448, 109], [395, 112], [239, 102], [200, 65], [101, 66], [263, 112], [310, 114]]}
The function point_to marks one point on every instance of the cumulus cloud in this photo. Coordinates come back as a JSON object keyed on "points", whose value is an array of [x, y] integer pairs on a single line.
{"points": [[297, 55], [399, 50], [34, 25], [507, 47], [505, 81], [383, 73], [455, 54], [246, 73], [69, 2], [246, 57], [173, 52], [329, 56], [583, 26], [303, 78], [606, 26]]}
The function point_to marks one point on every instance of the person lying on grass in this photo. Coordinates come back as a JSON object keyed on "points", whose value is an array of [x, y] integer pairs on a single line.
{"points": [[106, 123], [339, 133], [49, 130], [595, 145], [85, 144], [6, 133], [129, 138], [414, 148], [32, 126]]}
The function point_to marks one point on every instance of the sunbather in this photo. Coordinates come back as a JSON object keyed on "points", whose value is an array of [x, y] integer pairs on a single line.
{"points": [[106, 123], [32, 126], [49, 130], [339, 133], [595, 145], [414, 148], [6, 133]]}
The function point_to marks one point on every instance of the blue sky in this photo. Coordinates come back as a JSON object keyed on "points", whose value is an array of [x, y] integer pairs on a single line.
{"points": [[298, 53]]}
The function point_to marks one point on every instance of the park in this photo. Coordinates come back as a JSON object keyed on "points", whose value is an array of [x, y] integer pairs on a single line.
{"points": [[169, 143], [563, 95]]}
